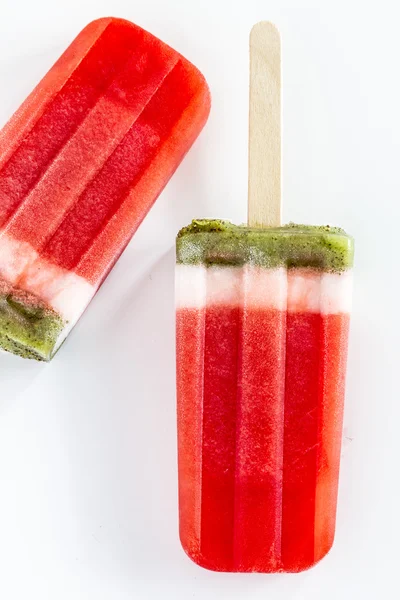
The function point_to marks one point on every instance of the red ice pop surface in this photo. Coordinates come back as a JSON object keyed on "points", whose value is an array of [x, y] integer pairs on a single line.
{"points": [[89, 151], [260, 405]]}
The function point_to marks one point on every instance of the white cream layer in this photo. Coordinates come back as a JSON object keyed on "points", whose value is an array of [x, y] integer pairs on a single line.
{"points": [[294, 290], [67, 293]]}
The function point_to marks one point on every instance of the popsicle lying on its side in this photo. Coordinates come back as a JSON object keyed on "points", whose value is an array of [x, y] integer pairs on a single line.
{"points": [[81, 163], [262, 327]]}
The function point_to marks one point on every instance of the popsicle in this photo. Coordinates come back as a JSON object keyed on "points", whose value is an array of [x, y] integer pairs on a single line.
{"points": [[81, 163], [262, 325]]}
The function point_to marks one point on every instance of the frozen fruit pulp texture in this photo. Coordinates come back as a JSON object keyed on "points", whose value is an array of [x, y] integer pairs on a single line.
{"points": [[260, 408], [105, 120], [263, 506], [87, 154]]}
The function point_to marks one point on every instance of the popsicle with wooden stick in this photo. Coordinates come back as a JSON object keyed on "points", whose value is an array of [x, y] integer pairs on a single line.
{"points": [[262, 328]]}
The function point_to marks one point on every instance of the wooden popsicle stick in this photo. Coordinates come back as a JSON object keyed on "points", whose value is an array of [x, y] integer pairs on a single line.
{"points": [[264, 202]]}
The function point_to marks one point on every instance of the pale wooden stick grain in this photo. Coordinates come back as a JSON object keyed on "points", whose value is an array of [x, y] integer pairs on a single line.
{"points": [[264, 201]]}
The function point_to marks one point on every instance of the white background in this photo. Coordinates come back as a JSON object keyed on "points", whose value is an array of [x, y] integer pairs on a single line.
{"points": [[88, 482]]}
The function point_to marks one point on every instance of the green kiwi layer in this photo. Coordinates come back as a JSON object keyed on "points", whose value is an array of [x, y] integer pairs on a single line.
{"points": [[215, 242], [28, 327]]}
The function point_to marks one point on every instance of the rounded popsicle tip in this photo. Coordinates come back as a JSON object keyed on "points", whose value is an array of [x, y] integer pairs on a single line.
{"points": [[204, 95], [197, 558], [195, 554], [300, 566], [225, 564], [107, 20], [97, 25], [202, 98]]}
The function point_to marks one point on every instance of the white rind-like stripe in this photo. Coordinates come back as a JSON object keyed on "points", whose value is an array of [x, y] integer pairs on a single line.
{"points": [[311, 291], [264, 287], [224, 286], [67, 293], [15, 256], [190, 286], [304, 290], [295, 290], [336, 292]]}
